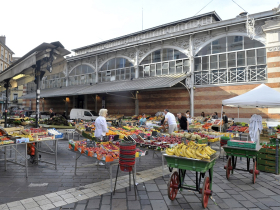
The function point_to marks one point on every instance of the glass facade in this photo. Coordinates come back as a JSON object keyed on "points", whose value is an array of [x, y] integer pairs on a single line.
{"points": [[230, 59], [81, 75], [163, 62], [116, 69], [54, 81]]}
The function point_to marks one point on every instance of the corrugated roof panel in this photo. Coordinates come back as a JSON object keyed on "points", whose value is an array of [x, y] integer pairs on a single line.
{"points": [[117, 86]]}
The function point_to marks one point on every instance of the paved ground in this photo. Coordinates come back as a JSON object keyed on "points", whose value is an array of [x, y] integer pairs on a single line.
{"points": [[90, 189]]}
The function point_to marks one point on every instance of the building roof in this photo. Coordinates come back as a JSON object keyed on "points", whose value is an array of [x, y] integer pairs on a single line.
{"points": [[7, 47], [41, 47], [109, 87], [213, 14]]}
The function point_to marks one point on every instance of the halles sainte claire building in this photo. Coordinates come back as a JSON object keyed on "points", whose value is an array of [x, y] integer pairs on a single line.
{"points": [[190, 64]]}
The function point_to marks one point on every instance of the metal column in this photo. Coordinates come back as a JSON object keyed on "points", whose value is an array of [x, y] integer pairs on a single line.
{"points": [[37, 74], [7, 100], [192, 77], [136, 103]]}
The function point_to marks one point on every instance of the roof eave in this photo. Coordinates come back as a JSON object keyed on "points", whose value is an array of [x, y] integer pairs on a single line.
{"points": [[215, 15]]}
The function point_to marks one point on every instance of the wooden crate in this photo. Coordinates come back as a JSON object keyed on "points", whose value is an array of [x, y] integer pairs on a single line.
{"points": [[265, 168], [266, 156]]}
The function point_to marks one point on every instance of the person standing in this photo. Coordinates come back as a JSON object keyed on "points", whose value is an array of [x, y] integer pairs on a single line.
{"points": [[142, 121], [170, 118], [202, 114], [184, 124], [52, 114], [188, 116], [101, 127], [225, 121], [215, 115]]}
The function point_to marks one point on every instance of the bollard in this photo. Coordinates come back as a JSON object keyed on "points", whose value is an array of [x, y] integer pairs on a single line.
{"points": [[276, 155]]}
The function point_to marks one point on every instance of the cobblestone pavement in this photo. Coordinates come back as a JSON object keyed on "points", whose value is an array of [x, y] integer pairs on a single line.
{"points": [[90, 188]]}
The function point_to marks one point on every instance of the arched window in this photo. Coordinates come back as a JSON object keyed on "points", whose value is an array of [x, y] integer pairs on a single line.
{"points": [[162, 62], [116, 69], [54, 81], [230, 59], [81, 75]]}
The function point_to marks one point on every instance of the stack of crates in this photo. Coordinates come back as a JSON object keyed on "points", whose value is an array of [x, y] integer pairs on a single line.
{"points": [[266, 160]]}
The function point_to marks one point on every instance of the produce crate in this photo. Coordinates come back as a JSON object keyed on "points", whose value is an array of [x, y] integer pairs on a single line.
{"points": [[241, 144], [57, 136], [266, 156], [202, 141], [267, 169], [267, 151], [267, 162]]}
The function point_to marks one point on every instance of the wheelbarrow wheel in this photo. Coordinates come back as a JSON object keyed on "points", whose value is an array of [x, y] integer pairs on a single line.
{"points": [[229, 167], [206, 192], [254, 172], [173, 185]]}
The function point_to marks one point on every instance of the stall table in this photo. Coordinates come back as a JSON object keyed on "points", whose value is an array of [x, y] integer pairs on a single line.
{"points": [[24, 154], [110, 164]]}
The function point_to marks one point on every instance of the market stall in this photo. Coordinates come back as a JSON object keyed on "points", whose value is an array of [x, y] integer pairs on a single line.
{"points": [[32, 139], [260, 97]]}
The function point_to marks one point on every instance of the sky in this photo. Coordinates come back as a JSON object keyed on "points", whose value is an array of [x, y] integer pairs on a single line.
{"points": [[28, 23]]}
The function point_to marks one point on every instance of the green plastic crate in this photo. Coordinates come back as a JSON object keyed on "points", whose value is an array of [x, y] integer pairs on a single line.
{"points": [[202, 141], [241, 144]]}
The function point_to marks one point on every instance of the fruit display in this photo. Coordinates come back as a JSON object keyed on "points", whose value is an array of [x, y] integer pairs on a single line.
{"points": [[21, 135], [35, 131], [191, 150], [54, 132], [238, 128], [6, 142], [207, 125], [217, 122], [105, 151]]}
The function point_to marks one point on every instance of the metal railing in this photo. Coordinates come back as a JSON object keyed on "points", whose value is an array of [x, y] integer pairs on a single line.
{"points": [[235, 75]]}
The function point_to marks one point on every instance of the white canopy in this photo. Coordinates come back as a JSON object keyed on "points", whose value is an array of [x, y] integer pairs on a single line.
{"points": [[260, 97]]}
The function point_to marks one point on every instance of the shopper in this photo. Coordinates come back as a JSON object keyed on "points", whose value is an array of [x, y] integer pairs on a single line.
{"points": [[142, 121], [188, 116], [184, 123], [100, 124], [215, 115], [225, 121], [52, 114], [202, 114], [170, 118]]}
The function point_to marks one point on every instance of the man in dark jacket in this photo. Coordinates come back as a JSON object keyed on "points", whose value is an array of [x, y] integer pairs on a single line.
{"points": [[225, 121], [52, 114], [184, 124]]}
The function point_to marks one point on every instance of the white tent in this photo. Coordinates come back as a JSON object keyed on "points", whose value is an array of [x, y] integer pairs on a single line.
{"points": [[260, 97]]}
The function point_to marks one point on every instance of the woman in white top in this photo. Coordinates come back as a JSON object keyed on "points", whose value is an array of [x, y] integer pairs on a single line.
{"points": [[100, 124]]}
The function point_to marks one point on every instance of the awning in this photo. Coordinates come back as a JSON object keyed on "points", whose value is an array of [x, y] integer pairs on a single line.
{"points": [[19, 67], [116, 86]]}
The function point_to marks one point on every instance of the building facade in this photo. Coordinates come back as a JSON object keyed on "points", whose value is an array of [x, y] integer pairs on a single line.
{"points": [[6, 59], [203, 59]]}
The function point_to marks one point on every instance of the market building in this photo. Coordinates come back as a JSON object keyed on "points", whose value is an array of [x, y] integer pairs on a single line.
{"points": [[6, 59], [190, 64]]}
